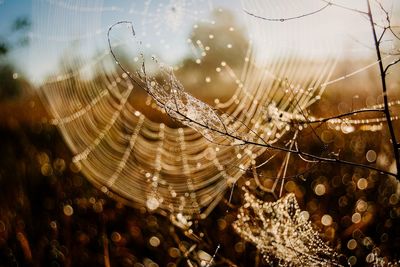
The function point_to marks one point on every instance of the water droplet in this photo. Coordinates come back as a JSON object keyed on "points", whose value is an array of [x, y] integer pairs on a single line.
{"points": [[352, 260], [351, 244], [174, 252], [326, 220], [362, 183], [370, 257], [152, 203], [305, 215], [371, 155], [116, 237], [320, 189], [356, 218], [154, 241], [68, 210]]}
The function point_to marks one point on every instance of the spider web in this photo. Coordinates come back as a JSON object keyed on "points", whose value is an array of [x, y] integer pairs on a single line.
{"points": [[182, 170]]}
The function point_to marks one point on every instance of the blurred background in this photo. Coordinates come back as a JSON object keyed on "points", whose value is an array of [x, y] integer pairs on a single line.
{"points": [[50, 215]]}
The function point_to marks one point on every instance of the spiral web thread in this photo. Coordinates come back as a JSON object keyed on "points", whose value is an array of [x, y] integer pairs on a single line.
{"points": [[178, 170]]}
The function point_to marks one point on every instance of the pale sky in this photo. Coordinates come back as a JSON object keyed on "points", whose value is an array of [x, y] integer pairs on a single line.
{"points": [[62, 26]]}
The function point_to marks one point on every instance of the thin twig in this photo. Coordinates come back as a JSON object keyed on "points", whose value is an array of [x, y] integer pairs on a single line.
{"points": [[384, 93], [347, 114], [390, 65], [389, 26], [105, 243]]}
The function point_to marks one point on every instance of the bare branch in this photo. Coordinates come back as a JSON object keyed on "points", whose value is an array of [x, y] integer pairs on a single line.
{"points": [[351, 113], [384, 92], [394, 34], [347, 114], [389, 26], [382, 34], [390, 65]]}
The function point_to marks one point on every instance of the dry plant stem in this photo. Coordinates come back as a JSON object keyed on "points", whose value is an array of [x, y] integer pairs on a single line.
{"points": [[106, 253], [285, 149], [262, 142], [318, 158], [391, 64], [384, 93], [347, 114], [105, 244]]}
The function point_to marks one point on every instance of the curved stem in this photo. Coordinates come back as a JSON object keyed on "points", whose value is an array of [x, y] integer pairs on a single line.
{"points": [[225, 133]]}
